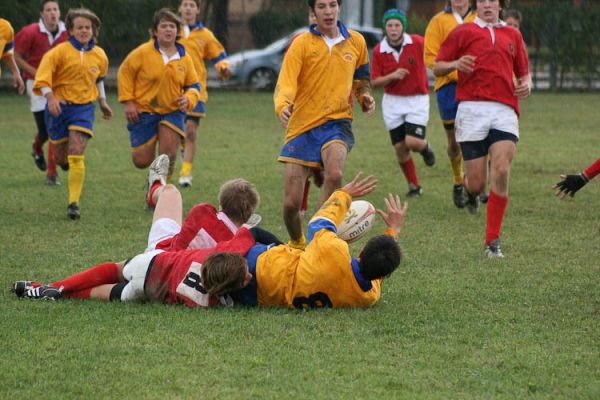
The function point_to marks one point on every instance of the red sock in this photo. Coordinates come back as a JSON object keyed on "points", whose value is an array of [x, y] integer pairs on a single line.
{"points": [[304, 205], [495, 213], [80, 294], [51, 163], [410, 172], [37, 145], [154, 186], [95, 276]]}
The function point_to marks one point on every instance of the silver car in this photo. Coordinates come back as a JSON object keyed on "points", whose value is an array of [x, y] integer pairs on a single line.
{"points": [[258, 69]]}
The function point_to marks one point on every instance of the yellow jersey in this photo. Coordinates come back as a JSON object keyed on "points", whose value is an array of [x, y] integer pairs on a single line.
{"points": [[7, 39], [323, 275], [154, 82], [201, 44], [318, 81], [437, 31], [72, 71]]}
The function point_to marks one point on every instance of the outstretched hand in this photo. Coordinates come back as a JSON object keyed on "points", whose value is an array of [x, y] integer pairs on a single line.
{"points": [[396, 211], [360, 187], [569, 185]]}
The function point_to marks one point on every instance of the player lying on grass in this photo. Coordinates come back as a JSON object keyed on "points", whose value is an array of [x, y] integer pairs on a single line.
{"points": [[571, 184], [238, 199]]}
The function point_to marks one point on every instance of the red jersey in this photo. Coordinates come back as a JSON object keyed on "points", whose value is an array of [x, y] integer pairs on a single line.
{"points": [[174, 277], [500, 54], [34, 40], [411, 58], [203, 228], [593, 169]]}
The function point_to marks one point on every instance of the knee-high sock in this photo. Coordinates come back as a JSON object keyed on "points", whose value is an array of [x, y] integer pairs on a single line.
{"points": [[410, 171], [495, 214], [456, 163], [97, 275], [76, 177], [186, 168]]}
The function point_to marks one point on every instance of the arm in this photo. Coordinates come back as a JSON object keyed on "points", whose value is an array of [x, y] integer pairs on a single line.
{"points": [[106, 110], [464, 64], [571, 184], [287, 83], [24, 65], [126, 87], [433, 40], [191, 88], [390, 78], [9, 59], [44, 80], [361, 85]]}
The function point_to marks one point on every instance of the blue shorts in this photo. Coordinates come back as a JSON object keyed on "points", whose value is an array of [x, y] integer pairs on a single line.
{"points": [[74, 117], [447, 104], [198, 112], [145, 131], [306, 149]]}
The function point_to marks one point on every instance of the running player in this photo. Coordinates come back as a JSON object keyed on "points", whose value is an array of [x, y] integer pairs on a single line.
{"points": [[70, 91], [31, 43], [456, 13], [202, 45], [487, 54], [158, 84], [320, 70], [398, 67]]}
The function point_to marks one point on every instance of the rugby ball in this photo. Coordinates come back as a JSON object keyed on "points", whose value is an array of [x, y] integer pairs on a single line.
{"points": [[357, 222]]}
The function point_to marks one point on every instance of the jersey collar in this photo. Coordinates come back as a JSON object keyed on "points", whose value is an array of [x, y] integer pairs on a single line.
{"points": [[180, 48], [343, 30], [386, 48], [364, 284], [482, 24], [79, 46], [43, 29]]}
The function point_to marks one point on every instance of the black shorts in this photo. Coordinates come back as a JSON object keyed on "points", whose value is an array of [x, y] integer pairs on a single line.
{"points": [[480, 148], [399, 133]]}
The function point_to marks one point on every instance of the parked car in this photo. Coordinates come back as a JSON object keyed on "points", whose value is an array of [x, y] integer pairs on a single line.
{"points": [[258, 69]]}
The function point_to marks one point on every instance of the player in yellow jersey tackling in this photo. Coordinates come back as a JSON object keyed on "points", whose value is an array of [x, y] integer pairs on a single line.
{"points": [[158, 85], [71, 77], [456, 13], [202, 45], [320, 71]]}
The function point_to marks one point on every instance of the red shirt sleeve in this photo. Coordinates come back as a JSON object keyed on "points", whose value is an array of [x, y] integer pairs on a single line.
{"points": [[377, 64], [23, 40], [593, 169]]}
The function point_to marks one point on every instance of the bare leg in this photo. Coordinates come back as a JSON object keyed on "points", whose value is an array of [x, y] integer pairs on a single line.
{"points": [[168, 143], [334, 162], [294, 179], [168, 204]]}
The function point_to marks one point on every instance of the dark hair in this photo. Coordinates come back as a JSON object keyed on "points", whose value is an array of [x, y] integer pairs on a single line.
{"points": [[380, 257], [503, 4], [311, 3], [515, 14], [238, 199], [43, 3], [223, 273], [168, 15], [83, 13]]}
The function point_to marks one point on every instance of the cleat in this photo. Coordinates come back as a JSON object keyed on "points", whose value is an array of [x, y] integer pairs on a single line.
{"points": [[472, 203], [39, 160], [52, 180], [185, 181], [483, 198], [492, 250], [43, 293], [458, 195], [428, 156], [253, 221], [414, 191], [158, 171], [23, 286], [73, 211]]}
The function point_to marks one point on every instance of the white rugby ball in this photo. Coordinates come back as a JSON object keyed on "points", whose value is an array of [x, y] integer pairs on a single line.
{"points": [[357, 222]]}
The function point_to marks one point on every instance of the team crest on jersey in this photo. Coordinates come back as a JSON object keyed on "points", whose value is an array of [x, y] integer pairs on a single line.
{"points": [[348, 57], [511, 49], [94, 70], [180, 68], [411, 60]]}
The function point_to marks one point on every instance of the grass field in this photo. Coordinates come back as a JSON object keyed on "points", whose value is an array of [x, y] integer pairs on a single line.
{"points": [[450, 324]]}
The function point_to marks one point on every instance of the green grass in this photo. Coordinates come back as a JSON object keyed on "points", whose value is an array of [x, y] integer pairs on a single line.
{"points": [[450, 324]]}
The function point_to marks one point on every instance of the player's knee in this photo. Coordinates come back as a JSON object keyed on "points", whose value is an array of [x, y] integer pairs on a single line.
{"points": [[291, 206], [334, 176]]}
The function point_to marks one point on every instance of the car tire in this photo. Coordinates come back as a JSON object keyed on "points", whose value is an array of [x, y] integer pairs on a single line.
{"points": [[262, 79]]}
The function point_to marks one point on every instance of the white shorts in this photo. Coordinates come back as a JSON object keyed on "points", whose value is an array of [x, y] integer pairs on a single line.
{"points": [[162, 228], [475, 119], [36, 103], [135, 272], [400, 109]]}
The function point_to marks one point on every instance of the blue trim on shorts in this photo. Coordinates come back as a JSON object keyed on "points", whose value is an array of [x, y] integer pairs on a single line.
{"points": [[78, 115], [447, 104], [306, 148], [146, 128]]}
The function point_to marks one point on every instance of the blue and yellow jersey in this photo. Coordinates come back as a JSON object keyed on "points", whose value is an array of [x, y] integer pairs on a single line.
{"points": [[154, 85], [72, 71], [437, 31], [323, 275], [7, 39], [319, 82], [201, 44]]}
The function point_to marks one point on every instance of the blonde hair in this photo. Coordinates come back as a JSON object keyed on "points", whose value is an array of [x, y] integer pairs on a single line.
{"points": [[223, 273], [83, 13], [238, 199]]}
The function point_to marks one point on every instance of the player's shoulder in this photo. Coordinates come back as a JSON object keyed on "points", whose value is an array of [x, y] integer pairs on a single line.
{"points": [[30, 29], [417, 39], [357, 36]]}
